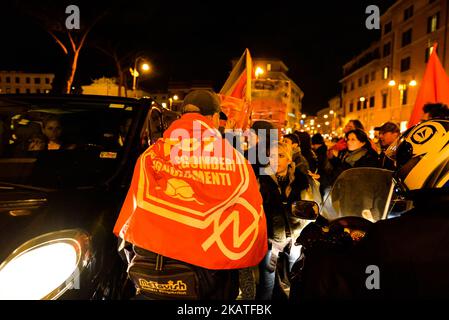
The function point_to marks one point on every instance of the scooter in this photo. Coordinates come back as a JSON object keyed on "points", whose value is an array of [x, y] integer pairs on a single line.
{"points": [[359, 198]]}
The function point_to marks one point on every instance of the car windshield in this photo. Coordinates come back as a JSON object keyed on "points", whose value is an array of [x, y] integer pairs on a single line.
{"points": [[62, 144]]}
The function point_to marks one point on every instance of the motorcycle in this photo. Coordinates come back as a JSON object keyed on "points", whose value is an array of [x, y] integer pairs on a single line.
{"points": [[359, 198]]}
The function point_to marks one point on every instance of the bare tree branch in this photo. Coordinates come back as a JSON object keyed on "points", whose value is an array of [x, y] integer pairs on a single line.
{"points": [[63, 47]]}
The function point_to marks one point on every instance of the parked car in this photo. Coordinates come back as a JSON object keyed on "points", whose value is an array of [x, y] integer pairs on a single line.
{"points": [[65, 166]]}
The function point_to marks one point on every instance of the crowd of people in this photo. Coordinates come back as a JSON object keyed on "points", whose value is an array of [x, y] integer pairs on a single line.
{"points": [[287, 168]]}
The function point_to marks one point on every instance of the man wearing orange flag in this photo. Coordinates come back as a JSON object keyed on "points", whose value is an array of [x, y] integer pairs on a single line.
{"points": [[434, 87], [193, 212]]}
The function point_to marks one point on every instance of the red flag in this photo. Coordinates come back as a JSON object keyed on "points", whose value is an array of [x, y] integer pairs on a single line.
{"points": [[434, 87], [194, 199], [236, 92]]}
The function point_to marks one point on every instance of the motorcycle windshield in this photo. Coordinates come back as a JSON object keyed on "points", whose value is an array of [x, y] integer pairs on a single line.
{"points": [[360, 192]]}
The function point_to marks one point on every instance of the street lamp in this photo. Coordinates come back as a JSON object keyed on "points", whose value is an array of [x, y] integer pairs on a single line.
{"points": [[259, 71], [145, 67]]}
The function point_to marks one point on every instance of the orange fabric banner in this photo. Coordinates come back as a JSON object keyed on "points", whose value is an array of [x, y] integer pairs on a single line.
{"points": [[194, 198], [434, 87], [236, 92]]}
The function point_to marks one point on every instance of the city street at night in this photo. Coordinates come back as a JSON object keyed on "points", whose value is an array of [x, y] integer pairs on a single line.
{"points": [[227, 158]]}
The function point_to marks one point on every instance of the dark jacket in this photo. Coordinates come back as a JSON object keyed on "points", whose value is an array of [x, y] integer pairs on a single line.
{"points": [[324, 167], [340, 164], [277, 200], [386, 163]]}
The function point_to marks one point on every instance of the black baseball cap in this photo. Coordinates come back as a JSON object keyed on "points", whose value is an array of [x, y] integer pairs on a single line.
{"points": [[388, 127], [206, 101]]}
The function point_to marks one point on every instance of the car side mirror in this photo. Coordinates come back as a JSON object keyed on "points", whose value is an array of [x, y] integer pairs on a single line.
{"points": [[305, 209]]}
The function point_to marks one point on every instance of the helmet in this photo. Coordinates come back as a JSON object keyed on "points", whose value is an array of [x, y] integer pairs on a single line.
{"points": [[422, 156]]}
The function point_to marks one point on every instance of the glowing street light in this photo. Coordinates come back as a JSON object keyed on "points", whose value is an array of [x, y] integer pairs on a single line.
{"points": [[303, 116], [145, 67], [259, 71], [326, 123], [391, 83], [175, 97], [362, 99], [325, 116], [331, 112], [412, 83]]}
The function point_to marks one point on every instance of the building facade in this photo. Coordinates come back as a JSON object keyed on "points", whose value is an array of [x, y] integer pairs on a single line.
{"points": [[23, 82], [109, 87], [275, 86], [381, 83]]}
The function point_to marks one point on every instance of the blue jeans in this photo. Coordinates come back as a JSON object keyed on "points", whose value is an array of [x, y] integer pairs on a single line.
{"points": [[266, 279]]}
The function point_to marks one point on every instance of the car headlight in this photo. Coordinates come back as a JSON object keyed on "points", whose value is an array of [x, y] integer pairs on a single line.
{"points": [[44, 267]]}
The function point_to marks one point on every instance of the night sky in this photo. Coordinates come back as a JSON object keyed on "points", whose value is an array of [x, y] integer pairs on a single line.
{"points": [[195, 40]]}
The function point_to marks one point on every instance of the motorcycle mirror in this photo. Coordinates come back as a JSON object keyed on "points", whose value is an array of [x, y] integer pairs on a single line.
{"points": [[305, 209]]}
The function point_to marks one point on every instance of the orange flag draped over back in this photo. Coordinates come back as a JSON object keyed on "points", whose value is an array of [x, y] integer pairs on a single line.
{"points": [[434, 87], [194, 198], [236, 92]]}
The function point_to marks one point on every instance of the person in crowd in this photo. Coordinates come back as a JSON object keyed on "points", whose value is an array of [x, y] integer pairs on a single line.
{"points": [[52, 129], [280, 186], [222, 124], [376, 140], [403, 258], [170, 224], [340, 145], [359, 153], [324, 165], [299, 160], [262, 135], [435, 110], [388, 133], [307, 151]]}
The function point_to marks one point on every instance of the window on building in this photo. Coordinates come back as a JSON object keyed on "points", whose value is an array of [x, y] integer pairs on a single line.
{"points": [[47, 80], [405, 64], [268, 66], [384, 100], [344, 88], [8, 90], [406, 37], [371, 102], [431, 1], [8, 79], [359, 105], [351, 107], [373, 75], [17, 80], [37, 80], [404, 96], [385, 73], [17, 90], [38, 90], [27, 90], [387, 49], [360, 82], [366, 78], [352, 85], [408, 13], [27, 80], [365, 103], [387, 27], [433, 22]]}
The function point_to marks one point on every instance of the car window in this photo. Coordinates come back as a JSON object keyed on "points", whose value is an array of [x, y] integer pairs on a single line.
{"points": [[62, 146]]}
